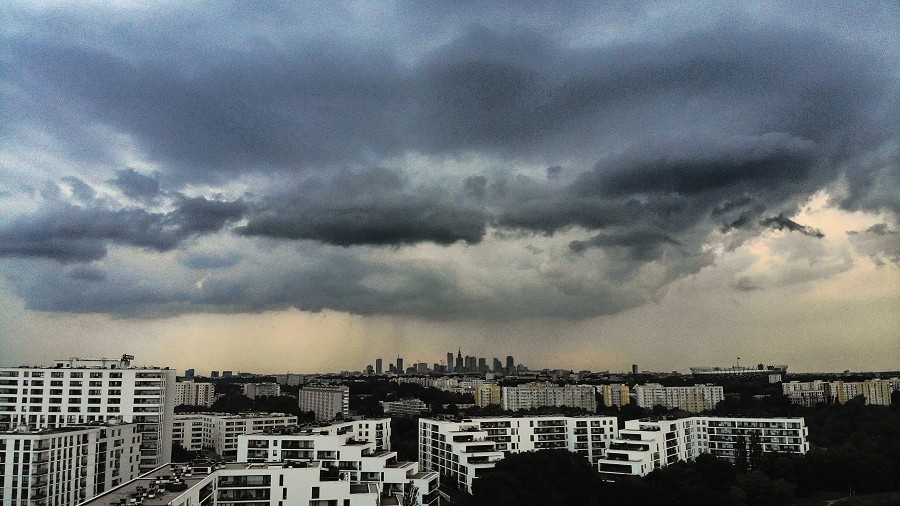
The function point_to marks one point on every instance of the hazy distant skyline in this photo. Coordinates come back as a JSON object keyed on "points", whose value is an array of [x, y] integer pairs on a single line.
{"points": [[308, 187]]}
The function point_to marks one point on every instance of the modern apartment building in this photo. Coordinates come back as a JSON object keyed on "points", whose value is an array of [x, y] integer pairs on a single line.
{"points": [[615, 395], [325, 401], [254, 390], [649, 444], [220, 431], [488, 394], [194, 394], [314, 483], [694, 399], [67, 465], [535, 395], [461, 450], [80, 391], [357, 461]]}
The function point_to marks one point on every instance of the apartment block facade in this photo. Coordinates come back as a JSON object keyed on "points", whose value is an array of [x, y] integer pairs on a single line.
{"points": [[488, 394], [694, 399], [809, 393], [325, 401], [194, 394], [254, 390], [81, 391], [648, 444], [460, 451], [220, 431], [615, 395], [65, 466], [536, 395]]}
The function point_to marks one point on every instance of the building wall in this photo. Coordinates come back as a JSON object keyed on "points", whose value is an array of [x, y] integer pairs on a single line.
{"points": [[615, 395], [91, 391], [68, 465], [254, 390], [220, 431], [460, 451], [532, 396], [325, 401], [194, 394], [488, 394], [645, 445], [694, 399]]}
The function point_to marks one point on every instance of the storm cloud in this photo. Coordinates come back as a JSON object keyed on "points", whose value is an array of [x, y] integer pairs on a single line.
{"points": [[391, 160]]}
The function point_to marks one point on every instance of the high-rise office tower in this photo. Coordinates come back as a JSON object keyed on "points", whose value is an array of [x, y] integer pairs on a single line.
{"points": [[450, 361], [400, 369], [498, 366], [79, 391], [459, 361], [510, 365], [482, 365], [378, 366]]}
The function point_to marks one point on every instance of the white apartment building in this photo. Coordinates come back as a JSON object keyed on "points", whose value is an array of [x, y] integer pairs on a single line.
{"points": [[65, 466], [404, 407], [325, 401], [805, 393], [459, 451], [80, 391], [535, 395], [195, 394], [220, 431], [254, 390], [615, 395], [645, 445], [694, 399], [312, 483], [357, 461]]}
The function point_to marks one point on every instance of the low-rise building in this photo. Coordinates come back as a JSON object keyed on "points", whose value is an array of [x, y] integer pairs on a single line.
{"points": [[649, 444], [460, 451], [67, 465]]}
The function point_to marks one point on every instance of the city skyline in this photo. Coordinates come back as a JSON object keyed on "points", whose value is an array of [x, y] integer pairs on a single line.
{"points": [[307, 187]]}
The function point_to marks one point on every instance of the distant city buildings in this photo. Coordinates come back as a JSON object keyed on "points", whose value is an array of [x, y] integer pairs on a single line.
{"points": [[326, 401], [255, 390], [194, 393], [694, 399], [771, 373], [66, 465], [536, 395], [461, 450], [81, 391], [289, 379], [645, 445]]}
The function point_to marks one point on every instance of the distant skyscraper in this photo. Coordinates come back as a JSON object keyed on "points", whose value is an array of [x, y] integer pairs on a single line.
{"points": [[482, 365], [378, 366], [226, 374], [214, 374], [399, 365], [189, 373], [510, 365], [634, 369], [471, 364], [498, 366], [459, 361], [450, 361]]}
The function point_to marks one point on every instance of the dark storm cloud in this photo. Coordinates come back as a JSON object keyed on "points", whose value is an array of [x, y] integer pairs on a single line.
{"points": [[373, 207], [136, 185], [76, 233], [879, 242], [665, 139], [780, 223]]}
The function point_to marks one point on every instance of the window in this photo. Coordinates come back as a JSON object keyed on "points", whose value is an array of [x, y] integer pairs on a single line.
{"points": [[76, 375], [315, 492], [96, 374]]}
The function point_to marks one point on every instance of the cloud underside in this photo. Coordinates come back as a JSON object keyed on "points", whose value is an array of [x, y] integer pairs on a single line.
{"points": [[353, 161]]}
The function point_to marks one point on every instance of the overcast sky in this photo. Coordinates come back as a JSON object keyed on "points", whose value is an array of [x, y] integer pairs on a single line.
{"points": [[285, 187]]}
